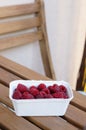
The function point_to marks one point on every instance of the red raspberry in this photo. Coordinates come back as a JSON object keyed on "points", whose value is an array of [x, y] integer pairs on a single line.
{"points": [[63, 88], [32, 87], [49, 96], [27, 95], [34, 91], [65, 96], [41, 94], [17, 94], [59, 95], [46, 90], [41, 86], [54, 88], [22, 88], [55, 95]]}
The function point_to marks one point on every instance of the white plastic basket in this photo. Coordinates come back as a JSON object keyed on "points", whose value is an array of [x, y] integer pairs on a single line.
{"points": [[40, 107]]}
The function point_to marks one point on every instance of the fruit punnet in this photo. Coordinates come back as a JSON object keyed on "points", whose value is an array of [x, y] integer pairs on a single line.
{"points": [[40, 92]]}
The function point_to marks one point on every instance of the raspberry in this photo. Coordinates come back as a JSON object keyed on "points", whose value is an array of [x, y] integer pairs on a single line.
{"points": [[65, 96], [22, 88], [63, 88], [49, 96], [17, 94], [55, 95], [54, 88], [41, 91], [46, 90], [41, 86], [32, 87], [41, 94], [34, 91], [27, 95], [59, 95]]}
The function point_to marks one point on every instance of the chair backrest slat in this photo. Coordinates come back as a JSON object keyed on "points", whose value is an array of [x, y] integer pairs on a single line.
{"points": [[10, 11], [17, 40], [18, 25]]}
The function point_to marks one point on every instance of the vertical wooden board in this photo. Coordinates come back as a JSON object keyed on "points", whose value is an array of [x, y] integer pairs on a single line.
{"points": [[44, 44]]}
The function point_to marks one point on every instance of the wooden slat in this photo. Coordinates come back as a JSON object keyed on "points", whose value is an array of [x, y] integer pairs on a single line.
{"points": [[16, 10], [52, 123], [12, 41], [4, 96], [72, 114], [17, 25], [21, 71], [79, 100], [6, 77], [12, 122], [44, 45]]}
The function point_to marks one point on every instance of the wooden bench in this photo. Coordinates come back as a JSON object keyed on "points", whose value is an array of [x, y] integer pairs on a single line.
{"points": [[74, 118], [15, 23]]}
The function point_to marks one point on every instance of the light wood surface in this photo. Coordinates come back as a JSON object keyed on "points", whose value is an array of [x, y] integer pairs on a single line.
{"points": [[23, 9], [18, 25], [17, 40]]}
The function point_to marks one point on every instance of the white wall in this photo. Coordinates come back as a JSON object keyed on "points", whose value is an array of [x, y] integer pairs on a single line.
{"points": [[66, 26], [66, 29]]}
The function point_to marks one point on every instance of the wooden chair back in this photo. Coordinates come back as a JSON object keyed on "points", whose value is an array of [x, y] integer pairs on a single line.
{"points": [[16, 19]]}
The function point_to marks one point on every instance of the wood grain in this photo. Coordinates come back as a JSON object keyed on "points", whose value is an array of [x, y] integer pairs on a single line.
{"points": [[21, 39], [72, 114], [18, 25], [7, 77], [23, 9], [44, 44], [77, 102], [12, 122]]}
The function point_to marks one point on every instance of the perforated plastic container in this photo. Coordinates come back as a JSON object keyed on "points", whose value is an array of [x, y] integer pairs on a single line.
{"points": [[40, 107]]}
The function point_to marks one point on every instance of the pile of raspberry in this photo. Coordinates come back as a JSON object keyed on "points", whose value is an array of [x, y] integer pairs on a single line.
{"points": [[40, 92]]}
